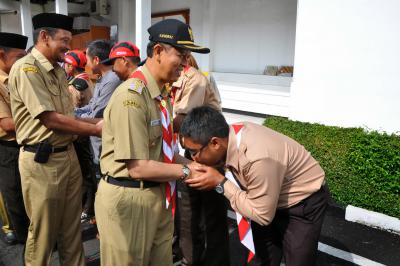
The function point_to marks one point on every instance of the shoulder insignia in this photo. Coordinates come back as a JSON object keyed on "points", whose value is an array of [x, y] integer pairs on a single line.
{"points": [[131, 103], [33, 69], [136, 85]]}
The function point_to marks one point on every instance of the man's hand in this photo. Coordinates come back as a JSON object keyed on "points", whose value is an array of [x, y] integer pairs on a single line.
{"points": [[193, 166], [204, 178], [99, 127]]}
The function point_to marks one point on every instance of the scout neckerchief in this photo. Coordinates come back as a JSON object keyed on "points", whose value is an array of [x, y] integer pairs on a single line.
{"points": [[244, 225], [84, 76], [168, 146]]}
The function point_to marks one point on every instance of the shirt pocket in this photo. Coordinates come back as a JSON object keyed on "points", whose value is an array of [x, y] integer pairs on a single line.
{"points": [[155, 133]]}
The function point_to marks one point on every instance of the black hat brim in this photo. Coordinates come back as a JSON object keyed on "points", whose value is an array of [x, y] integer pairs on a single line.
{"points": [[142, 63], [108, 61], [193, 48]]}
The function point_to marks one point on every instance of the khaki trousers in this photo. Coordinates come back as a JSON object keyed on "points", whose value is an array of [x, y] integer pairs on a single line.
{"points": [[4, 216], [134, 226], [52, 197]]}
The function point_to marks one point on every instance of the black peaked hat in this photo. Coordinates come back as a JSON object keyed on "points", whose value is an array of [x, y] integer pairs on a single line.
{"points": [[175, 33], [80, 84], [13, 40], [52, 20]]}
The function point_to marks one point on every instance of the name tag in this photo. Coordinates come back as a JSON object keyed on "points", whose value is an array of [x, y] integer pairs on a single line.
{"points": [[156, 122]]}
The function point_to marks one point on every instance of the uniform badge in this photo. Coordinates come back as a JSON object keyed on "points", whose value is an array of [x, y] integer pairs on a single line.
{"points": [[131, 103], [163, 103], [137, 86], [30, 69]]}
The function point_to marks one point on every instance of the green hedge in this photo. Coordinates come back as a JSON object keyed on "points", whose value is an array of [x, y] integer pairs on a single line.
{"points": [[362, 169]]}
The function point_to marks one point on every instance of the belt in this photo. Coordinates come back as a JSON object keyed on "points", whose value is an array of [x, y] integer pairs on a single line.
{"points": [[11, 143], [129, 182], [33, 148]]}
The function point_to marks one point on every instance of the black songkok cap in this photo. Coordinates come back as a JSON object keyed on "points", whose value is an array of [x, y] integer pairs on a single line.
{"points": [[52, 20], [13, 40]]}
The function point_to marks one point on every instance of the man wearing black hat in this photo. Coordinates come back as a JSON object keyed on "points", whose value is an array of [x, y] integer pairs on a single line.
{"points": [[12, 48], [45, 128], [135, 200]]}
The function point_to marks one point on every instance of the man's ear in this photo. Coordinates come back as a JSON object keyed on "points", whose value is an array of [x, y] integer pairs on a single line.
{"points": [[215, 142], [44, 36], [2, 54], [157, 49], [96, 60]]}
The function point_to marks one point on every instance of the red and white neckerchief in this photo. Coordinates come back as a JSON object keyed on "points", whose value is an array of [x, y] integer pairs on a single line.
{"points": [[168, 146], [244, 224], [84, 76], [168, 150]]}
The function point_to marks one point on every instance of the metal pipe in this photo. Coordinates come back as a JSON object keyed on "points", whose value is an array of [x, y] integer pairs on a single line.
{"points": [[7, 12]]}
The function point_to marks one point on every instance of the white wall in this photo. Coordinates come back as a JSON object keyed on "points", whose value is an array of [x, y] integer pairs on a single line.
{"points": [[251, 34], [347, 63], [244, 36], [198, 10]]}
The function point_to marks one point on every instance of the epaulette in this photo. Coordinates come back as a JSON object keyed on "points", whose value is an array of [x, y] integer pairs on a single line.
{"points": [[136, 85], [138, 81]]}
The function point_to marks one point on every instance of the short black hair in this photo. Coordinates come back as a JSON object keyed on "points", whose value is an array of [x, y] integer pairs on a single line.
{"points": [[149, 49], [5, 48], [99, 48], [134, 59], [50, 31], [203, 123]]}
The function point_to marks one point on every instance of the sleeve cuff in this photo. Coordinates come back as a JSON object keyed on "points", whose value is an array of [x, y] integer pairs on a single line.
{"points": [[230, 190], [5, 115], [40, 109]]}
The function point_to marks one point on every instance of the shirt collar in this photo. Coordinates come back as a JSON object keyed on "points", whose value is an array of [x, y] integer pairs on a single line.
{"points": [[232, 153], [42, 60], [152, 86], [3, 77]]}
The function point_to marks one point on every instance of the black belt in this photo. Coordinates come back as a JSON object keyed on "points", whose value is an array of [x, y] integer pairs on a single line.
{"points": [[33, 148], [129, 182], [11, 143]]}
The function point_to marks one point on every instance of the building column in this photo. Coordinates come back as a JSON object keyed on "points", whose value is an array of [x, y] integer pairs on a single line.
{"points": [[126, 21], [208, 29], [143, 22], [26, 21], [62, 7]]}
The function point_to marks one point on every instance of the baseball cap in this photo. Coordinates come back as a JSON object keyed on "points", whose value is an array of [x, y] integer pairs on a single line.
{"points": [[76, 58], [122, 49], [175, 33]]}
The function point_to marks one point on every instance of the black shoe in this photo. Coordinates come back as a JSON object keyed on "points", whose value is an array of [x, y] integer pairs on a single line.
{"points": [[10, 238]]}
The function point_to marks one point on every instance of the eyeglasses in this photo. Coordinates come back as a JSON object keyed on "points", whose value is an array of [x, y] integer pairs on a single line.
{"points": [[192, 152]]}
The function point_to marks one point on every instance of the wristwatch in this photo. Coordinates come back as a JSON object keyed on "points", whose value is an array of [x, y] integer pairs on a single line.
{"points": [[186, 172], [220, 187]]}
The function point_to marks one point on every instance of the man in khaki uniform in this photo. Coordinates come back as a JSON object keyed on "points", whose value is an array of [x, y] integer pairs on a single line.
{"points": [[12, 48], [200, 244], [134, 224], [282, 186], [45, 126]]}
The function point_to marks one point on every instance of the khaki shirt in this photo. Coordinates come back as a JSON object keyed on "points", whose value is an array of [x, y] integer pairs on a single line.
{"points": [[132, 125], [274, 170], [194, 90], [37, 86], [5, 109]]}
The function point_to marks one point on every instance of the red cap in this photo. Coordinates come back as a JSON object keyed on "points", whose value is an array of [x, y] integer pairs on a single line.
{"points": [[122, 49], [76, 58]]}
